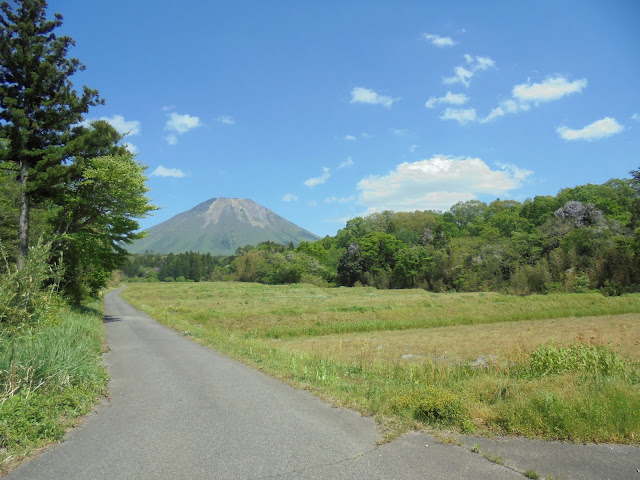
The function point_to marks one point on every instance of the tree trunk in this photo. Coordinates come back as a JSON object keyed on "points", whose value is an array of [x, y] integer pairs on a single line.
{"points": [[23, 218]]}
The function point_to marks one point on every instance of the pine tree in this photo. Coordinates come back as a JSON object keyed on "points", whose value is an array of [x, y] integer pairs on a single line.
{"points": [[38, 103]]}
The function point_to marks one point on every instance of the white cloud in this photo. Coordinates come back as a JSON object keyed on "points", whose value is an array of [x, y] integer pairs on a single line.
{"points": [[167, 108], [365, 95], [351, 138], [437, 183], [594, 131], [168, 172], [635, 116], [552, 88], [340, 199], [347, 163], [438, 41], [182, 123], [413, 148], [449, 99], [464, 75], [366, 135], [290, 197], [312, 182], [461, 115], [226, 120], [399, 131]]}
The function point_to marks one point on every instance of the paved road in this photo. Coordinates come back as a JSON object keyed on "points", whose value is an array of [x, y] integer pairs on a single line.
{"points": [[179, 410]]}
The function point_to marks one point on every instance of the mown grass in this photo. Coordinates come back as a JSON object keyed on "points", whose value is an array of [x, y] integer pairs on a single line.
{"points": [[50, 374], [577, 387]]}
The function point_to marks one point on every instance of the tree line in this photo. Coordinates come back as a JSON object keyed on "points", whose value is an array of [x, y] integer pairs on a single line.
{"points": [[585, 237], [68, 188]]}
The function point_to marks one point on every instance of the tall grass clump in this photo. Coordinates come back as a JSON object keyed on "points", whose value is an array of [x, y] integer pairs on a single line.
{"points": [[599, 360], [29, 296]]}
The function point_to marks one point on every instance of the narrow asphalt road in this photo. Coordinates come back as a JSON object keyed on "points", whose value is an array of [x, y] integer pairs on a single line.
{"points": [[179, 410]]}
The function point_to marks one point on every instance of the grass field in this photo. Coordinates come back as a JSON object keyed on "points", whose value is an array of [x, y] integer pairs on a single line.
{"points": [[562, 366]]}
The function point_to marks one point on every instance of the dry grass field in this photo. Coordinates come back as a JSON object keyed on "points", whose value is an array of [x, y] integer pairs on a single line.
{"points": [[462, 344]]}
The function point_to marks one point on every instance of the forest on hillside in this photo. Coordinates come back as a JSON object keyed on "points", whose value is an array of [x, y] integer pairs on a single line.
{"points": [[586, 237]]}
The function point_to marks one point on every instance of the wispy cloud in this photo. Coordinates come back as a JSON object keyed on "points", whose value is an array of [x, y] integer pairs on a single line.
{"points": [[462, 116], [347, 163], [635, 116], [594, 131], [161, 171], [449, 99], [413, 148], [366, 95], [225, 120], [313, 181], [350, 138], [290, 197], [438, 41], [340, 200], [474, 65], [552, 88], [508, 106], [437, 183]]}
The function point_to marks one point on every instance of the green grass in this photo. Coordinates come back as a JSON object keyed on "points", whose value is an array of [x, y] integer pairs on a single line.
{"points": [[578, 392], [49, 375]]}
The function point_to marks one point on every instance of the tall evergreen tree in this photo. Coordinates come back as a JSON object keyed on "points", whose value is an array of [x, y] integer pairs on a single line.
{"points": [[38, 103]]}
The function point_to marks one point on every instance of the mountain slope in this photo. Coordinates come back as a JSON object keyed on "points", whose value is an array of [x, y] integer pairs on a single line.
{"points": [[219, 226]]}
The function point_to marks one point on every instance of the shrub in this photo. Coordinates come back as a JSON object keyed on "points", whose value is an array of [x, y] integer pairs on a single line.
{"points": [[434, 404]]}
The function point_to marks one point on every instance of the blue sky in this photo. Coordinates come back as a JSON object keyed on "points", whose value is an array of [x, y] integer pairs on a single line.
{"points": [[323, 111]]}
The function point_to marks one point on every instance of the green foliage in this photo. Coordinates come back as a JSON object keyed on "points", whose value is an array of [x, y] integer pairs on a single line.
{"points": [[38, 103], [97, 219], [29, 296]]}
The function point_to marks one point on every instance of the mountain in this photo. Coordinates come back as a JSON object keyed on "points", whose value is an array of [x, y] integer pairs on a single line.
{"points": [[219, 226]]}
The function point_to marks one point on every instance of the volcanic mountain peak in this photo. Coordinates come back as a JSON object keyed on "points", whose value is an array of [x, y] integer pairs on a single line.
{"points": [[219, 226]]}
